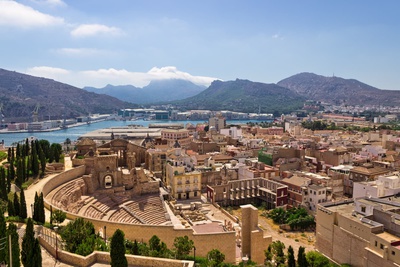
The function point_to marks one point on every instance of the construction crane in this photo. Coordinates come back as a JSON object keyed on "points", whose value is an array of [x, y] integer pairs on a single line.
{"points": [[35, 113]]}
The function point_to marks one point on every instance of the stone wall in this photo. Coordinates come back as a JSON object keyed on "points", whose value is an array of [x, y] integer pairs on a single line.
{"points": [[62, 178], [104, 257]]}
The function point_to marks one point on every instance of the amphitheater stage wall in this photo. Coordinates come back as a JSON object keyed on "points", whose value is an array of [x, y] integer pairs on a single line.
{"points": [[223, 241]]}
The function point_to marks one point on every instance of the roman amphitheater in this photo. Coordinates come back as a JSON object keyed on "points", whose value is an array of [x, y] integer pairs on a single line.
{"points": [[107, 187]]}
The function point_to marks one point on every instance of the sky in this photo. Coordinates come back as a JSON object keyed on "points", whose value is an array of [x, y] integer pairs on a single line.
{"points": [[119, 42]]}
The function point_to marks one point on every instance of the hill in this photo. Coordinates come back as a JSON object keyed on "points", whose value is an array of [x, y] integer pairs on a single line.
{"points": [[156, 91], [20, 93], [244, 96], [336, 90]]}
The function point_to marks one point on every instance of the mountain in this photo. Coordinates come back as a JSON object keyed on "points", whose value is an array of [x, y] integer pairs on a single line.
{"points": [[156, 91], [21, 93], [244, 96], [336, 90]]}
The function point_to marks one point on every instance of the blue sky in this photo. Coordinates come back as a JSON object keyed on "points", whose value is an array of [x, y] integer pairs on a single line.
{"points": [[97, 42]]}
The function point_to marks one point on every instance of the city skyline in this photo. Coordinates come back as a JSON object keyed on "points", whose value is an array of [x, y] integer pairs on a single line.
{"points": [[95, 43]]}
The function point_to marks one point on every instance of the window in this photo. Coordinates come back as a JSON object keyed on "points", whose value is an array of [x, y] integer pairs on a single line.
{"points": [[393, 253], [363, 208], [376, 243], [382, 246]]}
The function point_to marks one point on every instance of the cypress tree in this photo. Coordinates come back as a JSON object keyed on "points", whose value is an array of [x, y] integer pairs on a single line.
{"points": [[35, 208], [10, 209], [26, 151], [12, 154], [22, 202], [37, 254], [18, 151], [301, 257], [9, 154], [8, 180], [12, 230], [117, 249], [3, 185], [42, 159], [34, 163], [16, 205], [41, 213], [12, 170], [27, 248], [3, 237], [290, 256]]}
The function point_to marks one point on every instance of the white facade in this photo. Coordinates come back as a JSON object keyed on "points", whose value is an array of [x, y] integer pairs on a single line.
{"points": [[386, 185]]}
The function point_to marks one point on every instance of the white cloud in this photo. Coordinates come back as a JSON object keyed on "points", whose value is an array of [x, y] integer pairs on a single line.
{"points": [[102, 77], [18, 15], [87, 30]]}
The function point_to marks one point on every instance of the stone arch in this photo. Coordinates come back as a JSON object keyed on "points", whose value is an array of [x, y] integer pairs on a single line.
{"points": [[108, 181]]}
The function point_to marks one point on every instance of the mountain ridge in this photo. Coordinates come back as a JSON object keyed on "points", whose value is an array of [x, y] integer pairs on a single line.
{"points": [[155, 91], [337, 90], [21, 93]]}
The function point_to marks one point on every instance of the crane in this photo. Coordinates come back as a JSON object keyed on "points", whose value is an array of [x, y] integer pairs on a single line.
{"points": [[35, 113]]}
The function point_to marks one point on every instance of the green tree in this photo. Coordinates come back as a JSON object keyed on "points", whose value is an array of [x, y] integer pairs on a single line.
{"points": [[117, 249], [290, 257], [3, 184], [278, 252], [268, 254], [183, 246], [3, 236], [58, 216], [215, 258], [56, 150], [22, 202], [301, 257], [12, 231], [10, 208], [34, 161], [16, 204], [42, 158], [38, 206], [27, 248], [157, 248], [37, 254], [79, 237], [316, 259]]}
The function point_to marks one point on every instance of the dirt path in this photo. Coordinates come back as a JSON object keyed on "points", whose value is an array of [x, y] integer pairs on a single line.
{"points": [[294, 239]]}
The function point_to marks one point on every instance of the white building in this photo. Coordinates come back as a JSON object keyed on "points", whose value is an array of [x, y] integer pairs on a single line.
{"points": [[385, 185]]}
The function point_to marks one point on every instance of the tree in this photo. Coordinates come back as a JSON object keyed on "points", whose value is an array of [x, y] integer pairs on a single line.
{"points": [[3, 185], [316, 259], [22, 202], [215, 258], [27, 245], [79, 237], [157, 248], [37, 254], [268, 254], [301, 257], [58, 216], [290, 257], [16, 205], [117, 249], [12, 230], [279, 254], [10, 208], [183, 246], [38, 209], [42, 158], [3, 236]]}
